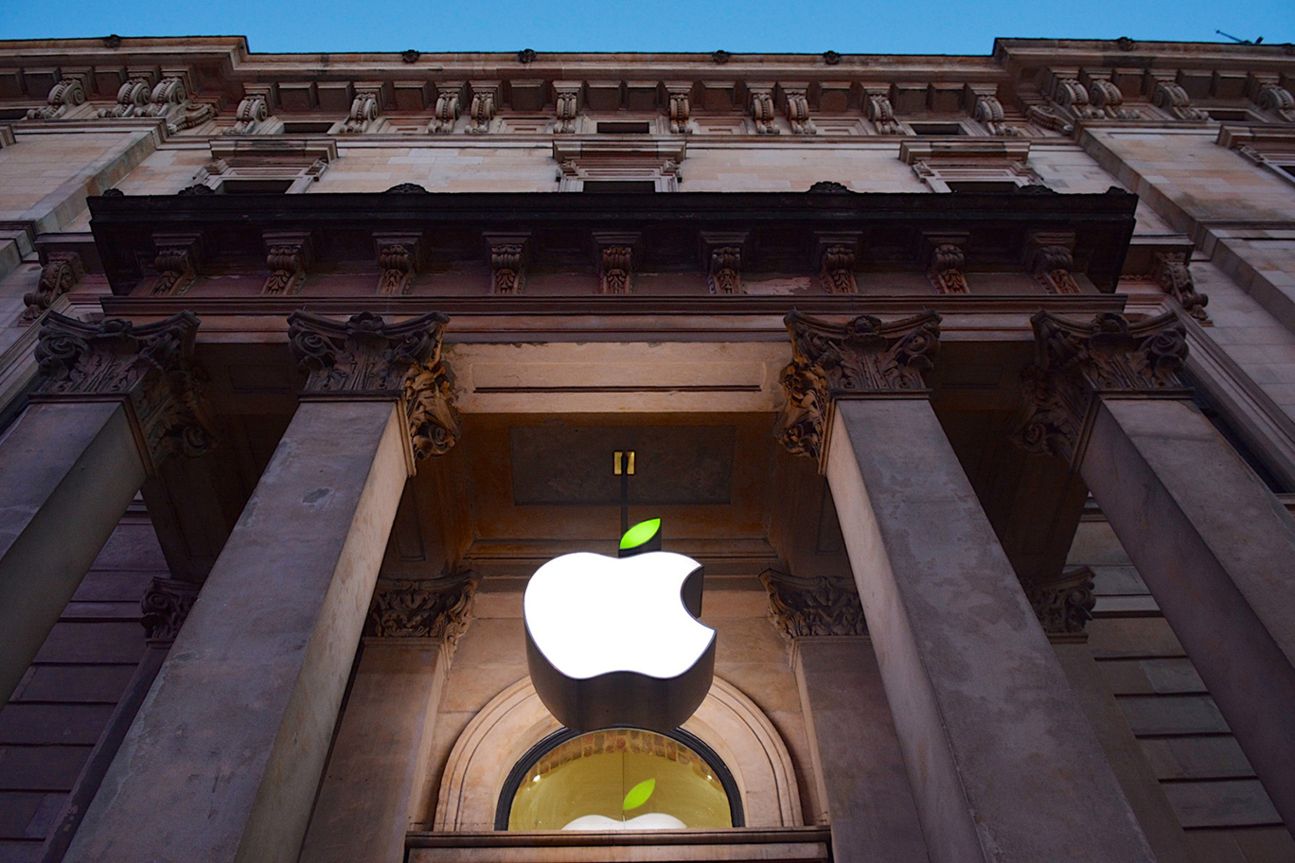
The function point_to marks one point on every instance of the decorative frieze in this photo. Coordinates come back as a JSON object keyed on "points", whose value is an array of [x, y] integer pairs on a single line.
{"points": [[397, 262], [367, 358], [149, 367], [1077, 362], [439, 608], [68, 93], [507, 262], [165, 607], [864, 357], [1066, 605], [805, 607], [61, 273], [287, 256], [1173, 275]]}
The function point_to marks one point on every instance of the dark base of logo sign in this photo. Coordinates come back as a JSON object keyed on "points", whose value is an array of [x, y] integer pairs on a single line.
{"points": [[621, 698]]}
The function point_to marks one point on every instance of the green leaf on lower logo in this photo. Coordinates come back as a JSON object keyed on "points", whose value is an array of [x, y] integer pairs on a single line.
{"points": [[638, 795], [640, 533]]}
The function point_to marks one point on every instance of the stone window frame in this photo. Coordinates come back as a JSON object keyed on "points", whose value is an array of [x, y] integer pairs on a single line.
{"points": [[1272, 149], [937, 163], [639, 159], [300, 162]]}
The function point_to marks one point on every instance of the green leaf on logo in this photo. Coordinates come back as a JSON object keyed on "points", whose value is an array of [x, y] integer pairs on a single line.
{"points": [[640, 533], [638, 795]]}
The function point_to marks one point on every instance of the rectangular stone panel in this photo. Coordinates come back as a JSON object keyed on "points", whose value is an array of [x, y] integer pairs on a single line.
{"points": [[1240, 803], [1197, 758], [76, 683], [41, 768], [93, 642], [53, 723], [1168, 714]]}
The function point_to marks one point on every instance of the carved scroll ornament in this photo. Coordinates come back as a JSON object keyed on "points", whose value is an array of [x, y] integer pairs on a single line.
{"points": [[1173, 275], [1075, 363], [165, 607], [1066, 605], [864, 357], [149, 367], [59, 275], [367, 358], [439, 608]]}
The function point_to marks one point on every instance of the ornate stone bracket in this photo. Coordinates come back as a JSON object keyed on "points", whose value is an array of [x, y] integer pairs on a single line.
{"points": [[797, 109], [481, 113], [567, 98], [836, 261], [1075, 363], [1107, 97], [1050, 261], [59, 275], [169, 101], [251, 116], [507, 262], [615, 262], [804, 607], [398, 259], [1271, 96], [881, 112], [1175, 278], [364, 111], [132, 99], [67, 94], [439, 608], [165, 606], [680, 95], [859, 359], [449, 100], [762, 112], [724, 270], [176, 262], [947, 262], [987, 110], [366, 358], [1066, 605], [1171, 97], [287, 254], [150, 368]]}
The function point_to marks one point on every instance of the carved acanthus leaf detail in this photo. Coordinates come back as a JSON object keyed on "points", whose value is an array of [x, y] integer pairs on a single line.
{"points": [[1064, 606], [176, 263], [149, 367], [615, 270], [946, 271], [864, 357], [59, 275], [798, 112], [365, 357], [447, 108], [805, 607], [482, 110], [1077, 362], [1174, 277], [397, 264], [165, 607], [287, 258], [837, 269], [364, 110], [507, 263], [725, 272], [762, 113], [882, 114], [1051, 262], [438, 608]]}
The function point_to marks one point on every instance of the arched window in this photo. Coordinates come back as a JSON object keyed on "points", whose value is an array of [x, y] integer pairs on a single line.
{"points": [[619, 779]]}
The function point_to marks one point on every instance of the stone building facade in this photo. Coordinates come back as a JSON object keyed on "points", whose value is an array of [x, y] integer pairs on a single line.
{"points": [[969, 380]]}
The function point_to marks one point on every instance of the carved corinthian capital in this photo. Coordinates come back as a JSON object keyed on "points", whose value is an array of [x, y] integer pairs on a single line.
{"points": [[367, 358], [862, 358], [150, 368], [428, 608], [800, 607], [165, 607], [1076, 363], [1066, 605]]}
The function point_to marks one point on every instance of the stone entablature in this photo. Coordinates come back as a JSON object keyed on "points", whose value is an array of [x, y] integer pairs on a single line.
{"points": [[839, 242], [1028, 88]]}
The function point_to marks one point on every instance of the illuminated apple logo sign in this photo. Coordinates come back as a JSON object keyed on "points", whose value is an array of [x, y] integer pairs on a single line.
{"points": [[616, 640]]}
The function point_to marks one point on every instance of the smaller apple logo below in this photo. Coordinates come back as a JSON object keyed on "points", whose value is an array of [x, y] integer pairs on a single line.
{"points": [[616, 640]]}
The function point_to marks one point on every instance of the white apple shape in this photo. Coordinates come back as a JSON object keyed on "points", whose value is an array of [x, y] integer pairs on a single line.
{"points": [[616, 641], [648, 821]]}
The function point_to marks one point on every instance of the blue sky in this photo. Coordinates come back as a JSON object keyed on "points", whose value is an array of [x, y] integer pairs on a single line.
{"points": [[672, 25]]}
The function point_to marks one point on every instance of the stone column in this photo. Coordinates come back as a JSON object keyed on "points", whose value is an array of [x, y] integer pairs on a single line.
{"points": [[224, 759], [373, 788], [1214, 545], [112, 401], [1002, 764], [857, 761]]}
